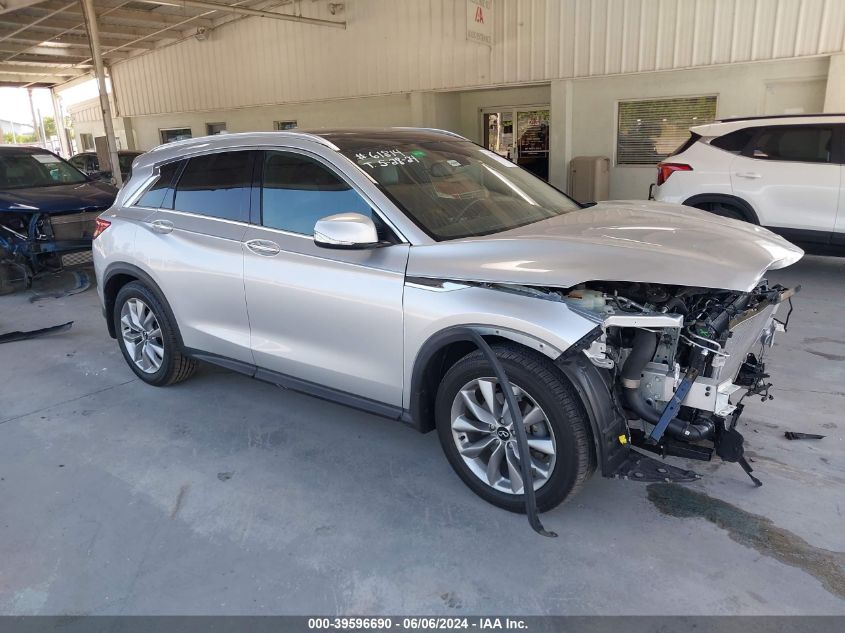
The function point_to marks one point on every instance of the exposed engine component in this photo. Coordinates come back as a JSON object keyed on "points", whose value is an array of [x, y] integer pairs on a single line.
{"points": [[678, 355]]}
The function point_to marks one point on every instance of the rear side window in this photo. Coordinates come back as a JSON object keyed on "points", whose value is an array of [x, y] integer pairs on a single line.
{"points": [[802, 144], [161, 193], [297, 191], [217, 185], [736, 141]]}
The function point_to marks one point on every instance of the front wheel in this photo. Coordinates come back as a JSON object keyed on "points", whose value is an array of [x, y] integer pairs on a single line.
{"points": [[477, 435]]}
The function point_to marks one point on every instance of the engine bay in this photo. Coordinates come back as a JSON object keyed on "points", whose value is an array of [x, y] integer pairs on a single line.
{"points": [[680, 386], [679, 360]]}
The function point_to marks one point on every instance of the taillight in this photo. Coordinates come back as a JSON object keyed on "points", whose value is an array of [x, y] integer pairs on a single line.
{"points": [[664, 170], [100, 225]]}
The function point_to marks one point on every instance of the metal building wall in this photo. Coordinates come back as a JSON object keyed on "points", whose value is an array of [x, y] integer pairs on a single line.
{"points": [[406, 45]]}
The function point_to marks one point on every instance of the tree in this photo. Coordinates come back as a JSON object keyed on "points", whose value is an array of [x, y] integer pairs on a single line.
{"points": [[49, 126], [9, 138]]}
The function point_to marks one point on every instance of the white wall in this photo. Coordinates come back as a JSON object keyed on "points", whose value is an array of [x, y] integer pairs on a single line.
{"points": [[87, 119], [401, 46], [583, 110], [742, 90]]}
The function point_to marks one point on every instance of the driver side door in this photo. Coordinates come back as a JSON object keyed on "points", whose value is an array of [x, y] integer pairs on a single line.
{"points": [[328, 317]]}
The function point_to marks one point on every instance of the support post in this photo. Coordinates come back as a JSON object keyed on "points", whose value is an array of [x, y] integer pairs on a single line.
{"points": [[35, 126], [105, 107], [60, 124]]}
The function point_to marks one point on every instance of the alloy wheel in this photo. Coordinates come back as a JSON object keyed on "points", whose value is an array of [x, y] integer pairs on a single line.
{"points": [[141, 334], [483, 431]]}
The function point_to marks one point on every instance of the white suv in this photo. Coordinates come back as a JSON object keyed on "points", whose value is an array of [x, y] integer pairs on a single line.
{"points": [[784, 173]]}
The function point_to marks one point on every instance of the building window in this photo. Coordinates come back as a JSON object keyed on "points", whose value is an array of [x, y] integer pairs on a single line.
{"points": [[649, 131], [280, 126], [175, 134], [214, 128], [87, 141]]}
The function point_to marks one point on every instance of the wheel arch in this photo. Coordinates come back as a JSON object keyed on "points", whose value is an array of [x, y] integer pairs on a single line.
{"points": [[591, 384], [725, 199], [442, 350], [116, 277]]}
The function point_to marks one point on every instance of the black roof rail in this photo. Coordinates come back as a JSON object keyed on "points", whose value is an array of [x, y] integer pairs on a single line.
{"points": [[778, 116]]}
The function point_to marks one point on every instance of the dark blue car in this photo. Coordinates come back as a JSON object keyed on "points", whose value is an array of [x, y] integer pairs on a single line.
{"points": [[47, 209]]}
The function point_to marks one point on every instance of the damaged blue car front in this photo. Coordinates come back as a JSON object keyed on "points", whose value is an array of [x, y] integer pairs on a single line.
{"points": [[48, 209]]}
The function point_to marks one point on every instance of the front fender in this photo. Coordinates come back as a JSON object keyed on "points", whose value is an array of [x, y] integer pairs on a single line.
{"points": [[549, 327]]}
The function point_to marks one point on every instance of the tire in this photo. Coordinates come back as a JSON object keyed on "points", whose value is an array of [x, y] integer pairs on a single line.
{"points": [[565, 422], [173, 365]]}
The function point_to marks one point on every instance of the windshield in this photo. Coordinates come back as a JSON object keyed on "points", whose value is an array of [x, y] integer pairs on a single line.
{"points": [[24, 170], [456, 189]]}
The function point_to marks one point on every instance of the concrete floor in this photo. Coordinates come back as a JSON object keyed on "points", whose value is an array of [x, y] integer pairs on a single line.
{"points": [[224, 495]]}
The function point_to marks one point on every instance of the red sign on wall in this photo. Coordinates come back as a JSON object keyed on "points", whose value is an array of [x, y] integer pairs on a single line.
{"points": [[480, 21]]}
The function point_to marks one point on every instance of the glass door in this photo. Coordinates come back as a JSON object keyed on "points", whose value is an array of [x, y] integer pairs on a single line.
{"points": [[521, 135]]}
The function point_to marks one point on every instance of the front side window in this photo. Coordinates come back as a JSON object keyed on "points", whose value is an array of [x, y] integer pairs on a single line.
{"points": [[649, 131], [298, 190], [160, 194], [455, 189], [26, 169], [217, 185], [801, 144]]}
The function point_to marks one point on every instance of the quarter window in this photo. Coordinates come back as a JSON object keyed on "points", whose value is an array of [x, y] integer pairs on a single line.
{"points": [[736, 141], [796, 144], [297, 191], [161, 193], [217, 185]]}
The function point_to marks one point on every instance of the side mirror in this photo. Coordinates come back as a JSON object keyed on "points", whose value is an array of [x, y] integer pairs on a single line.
{"points": [[346, 230]]}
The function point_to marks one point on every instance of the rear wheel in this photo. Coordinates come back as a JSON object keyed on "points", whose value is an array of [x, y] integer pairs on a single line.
{"points": [[477, 434], [148, 338]]}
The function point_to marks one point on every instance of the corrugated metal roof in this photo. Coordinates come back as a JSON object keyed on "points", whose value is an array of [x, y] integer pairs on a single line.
{"points": [[393, 46]]}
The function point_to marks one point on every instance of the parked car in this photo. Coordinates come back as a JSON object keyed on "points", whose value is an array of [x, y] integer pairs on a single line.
{"points": [[349, 264], [47, 209], [89, 163], [784, 173]]}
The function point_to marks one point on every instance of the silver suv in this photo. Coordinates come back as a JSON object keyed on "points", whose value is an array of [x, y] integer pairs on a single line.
{"points": [[350, 264]]}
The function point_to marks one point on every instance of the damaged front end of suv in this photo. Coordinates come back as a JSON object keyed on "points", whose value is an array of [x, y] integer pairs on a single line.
{"points": [[681, 359]]}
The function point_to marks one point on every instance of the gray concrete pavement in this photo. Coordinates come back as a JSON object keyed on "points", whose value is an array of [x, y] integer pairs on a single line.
{"points": [[224, 495]]}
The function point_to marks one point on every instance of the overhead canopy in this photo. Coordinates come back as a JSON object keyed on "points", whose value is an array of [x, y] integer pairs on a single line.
{"points": [[45, 43]]}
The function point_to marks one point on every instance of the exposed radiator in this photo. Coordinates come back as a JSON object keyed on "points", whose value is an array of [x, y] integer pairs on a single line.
{"points": [[74, 226], [744, 337]]}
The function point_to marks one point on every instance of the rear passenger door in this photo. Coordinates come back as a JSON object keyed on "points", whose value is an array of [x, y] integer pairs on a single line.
{"points": [[790, 175], [193, 245], [327, 316]]}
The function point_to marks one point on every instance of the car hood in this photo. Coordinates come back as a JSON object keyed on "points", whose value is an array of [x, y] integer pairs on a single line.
{"points": [[649, 242], [89, 196]]}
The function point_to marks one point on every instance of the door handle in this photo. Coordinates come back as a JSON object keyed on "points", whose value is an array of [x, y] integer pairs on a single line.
{"points": [[162, 226], [749, 174], [263, 247]]}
